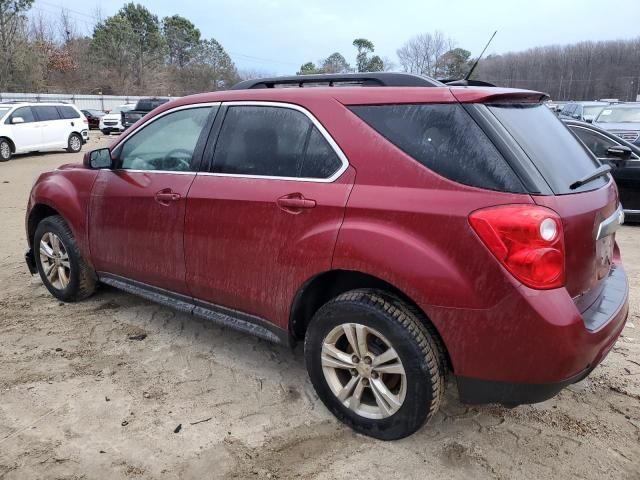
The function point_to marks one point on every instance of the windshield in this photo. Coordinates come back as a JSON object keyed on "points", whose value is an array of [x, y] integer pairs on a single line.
{"points": [[620, 115], [557, 154], [592, 110], [3, 111]]}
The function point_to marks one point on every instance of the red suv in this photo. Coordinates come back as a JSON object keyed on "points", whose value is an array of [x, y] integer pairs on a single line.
{"points": [[402, 229]]}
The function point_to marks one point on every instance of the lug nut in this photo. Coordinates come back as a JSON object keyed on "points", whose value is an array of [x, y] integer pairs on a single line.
{"points": [[355, 359], [367, 360], [353, 372], [365, 381], [374, 375]]}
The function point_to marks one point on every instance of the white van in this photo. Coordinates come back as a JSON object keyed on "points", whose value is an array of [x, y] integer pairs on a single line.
{"points": [[32, 127]]}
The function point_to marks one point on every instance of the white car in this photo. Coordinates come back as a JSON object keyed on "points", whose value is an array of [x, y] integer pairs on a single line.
{"points": [[32, 127], [112, 121]]}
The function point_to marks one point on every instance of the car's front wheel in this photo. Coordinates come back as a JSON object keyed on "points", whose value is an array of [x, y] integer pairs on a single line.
{"points": [[374, 364], [5, 150], [75, 143], [62, 268]]}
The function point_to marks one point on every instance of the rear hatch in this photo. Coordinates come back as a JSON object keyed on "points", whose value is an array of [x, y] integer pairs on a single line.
{"points": [[588, 209]]}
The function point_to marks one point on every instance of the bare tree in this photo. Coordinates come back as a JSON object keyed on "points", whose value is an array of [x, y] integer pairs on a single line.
{"points": [[423, 54]]}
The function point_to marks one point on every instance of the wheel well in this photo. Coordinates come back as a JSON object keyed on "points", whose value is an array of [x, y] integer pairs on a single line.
{"points": [[11, 144], [38, 213], [325, 286]]}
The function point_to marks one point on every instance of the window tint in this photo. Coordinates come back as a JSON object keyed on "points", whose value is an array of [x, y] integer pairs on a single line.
{"points": [[557, 154], [46, 113], [272, 141], [24, 112], [445, 139], [68, 112], [166, 143], [598, 144], [320, 160]]}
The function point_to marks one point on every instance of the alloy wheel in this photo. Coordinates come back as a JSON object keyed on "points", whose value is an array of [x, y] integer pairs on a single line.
{"points": [[54, 260], [74, 143], [5, 150], [363, 370]]}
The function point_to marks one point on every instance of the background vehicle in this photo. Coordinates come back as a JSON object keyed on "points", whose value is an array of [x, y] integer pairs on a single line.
{"points": [[450, 250], [144, 106], [624, 162], [622, 120], [112, 121], [31, 127], [555, 107], [93, 117], [583, 111]]}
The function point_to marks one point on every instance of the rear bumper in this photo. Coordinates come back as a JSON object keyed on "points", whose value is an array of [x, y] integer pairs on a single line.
{"points": [[532, 344]]}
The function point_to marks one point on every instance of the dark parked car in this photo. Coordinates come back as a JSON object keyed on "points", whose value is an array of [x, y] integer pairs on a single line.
{"points": [[143, 106], [93, 116], [622, 120], [622, 156], [398, 233], [583, 111]]}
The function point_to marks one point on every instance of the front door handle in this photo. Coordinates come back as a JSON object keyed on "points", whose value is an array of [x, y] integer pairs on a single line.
{"points": [[166, 196], [295, 203]]}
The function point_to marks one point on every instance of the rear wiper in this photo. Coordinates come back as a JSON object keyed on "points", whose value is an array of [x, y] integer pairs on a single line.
{"points": [[597, 173]]}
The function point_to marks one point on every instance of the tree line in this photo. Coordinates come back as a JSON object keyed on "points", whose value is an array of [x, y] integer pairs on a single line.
{"points": [[132, 52], [135, 52]]}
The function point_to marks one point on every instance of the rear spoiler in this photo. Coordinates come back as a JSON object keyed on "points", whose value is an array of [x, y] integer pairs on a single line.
{"points": [[497, 95]]}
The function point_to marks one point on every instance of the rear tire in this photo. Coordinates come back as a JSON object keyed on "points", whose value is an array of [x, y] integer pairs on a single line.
{"points": [[62, 268], [374, 365], [5, 150], [75, 143]]}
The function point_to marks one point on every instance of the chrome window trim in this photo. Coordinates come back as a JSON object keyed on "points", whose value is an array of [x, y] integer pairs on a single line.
{"points": [[323, 131]]}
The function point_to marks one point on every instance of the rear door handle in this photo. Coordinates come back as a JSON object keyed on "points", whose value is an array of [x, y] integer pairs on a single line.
{"points": [[295, 203], [166, 196]]}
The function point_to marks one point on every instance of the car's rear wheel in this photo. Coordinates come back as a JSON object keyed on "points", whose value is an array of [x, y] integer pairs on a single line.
{"points": [[373, 364], [5, 150], [62, 268], [75, 143]]}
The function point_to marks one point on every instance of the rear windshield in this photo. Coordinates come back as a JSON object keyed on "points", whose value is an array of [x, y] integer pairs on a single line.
{"points": [[557, 154], [151, 103], [445, 139]]}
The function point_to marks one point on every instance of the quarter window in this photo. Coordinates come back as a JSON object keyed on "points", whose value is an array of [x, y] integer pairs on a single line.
{"points": [[273, 141], [68, 112], [46, 113], [167, 143], [445, 139]]}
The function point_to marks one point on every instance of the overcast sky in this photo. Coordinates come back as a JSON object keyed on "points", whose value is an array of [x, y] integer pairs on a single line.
{"points": [[277, 36]]}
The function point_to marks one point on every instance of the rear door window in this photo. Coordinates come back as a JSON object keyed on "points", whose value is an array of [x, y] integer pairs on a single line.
{"points": [[445, 139], [46, 113], [272, 141], [556, 153]]}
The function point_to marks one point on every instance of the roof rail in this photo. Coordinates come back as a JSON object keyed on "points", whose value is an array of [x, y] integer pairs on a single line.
{"points": [[373, 79]]}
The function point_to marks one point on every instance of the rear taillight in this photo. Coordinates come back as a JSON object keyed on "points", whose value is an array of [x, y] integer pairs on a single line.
{"points": [[527, 239]]}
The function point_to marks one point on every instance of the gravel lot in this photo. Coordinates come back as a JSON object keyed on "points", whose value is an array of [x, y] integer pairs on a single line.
{"points": [[80, 399]]}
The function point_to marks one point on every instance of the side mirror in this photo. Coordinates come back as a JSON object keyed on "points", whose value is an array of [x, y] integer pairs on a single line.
{"points": [[619, 151], [589, 120], [15, 120], [97, 159], [576, 116]]}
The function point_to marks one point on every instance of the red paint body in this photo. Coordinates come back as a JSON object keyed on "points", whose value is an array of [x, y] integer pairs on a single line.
{"points": [[226, 240]]}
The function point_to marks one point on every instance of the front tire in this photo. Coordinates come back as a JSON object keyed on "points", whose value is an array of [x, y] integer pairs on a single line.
{"points": [[62, 268], [75, 143], [374, 365], [5, 150]]}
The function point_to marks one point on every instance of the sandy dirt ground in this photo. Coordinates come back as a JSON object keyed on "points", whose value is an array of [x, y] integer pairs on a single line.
{"points": [[80, 399]]}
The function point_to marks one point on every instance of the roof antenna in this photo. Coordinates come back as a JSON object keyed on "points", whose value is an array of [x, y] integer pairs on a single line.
{"points": [[466, 79]]}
